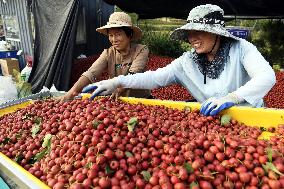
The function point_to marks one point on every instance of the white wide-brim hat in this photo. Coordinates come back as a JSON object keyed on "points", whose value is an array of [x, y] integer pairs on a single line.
{"points": [[120, 19], [207, 18]]}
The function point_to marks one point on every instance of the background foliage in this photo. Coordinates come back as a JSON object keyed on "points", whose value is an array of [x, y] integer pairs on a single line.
{"points": [[156, 34], [268, 36]]}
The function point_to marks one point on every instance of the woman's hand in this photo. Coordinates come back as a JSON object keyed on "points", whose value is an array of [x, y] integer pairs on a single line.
{"points": [[213, 106], [105, 87], [117, 93], [67, 96]]}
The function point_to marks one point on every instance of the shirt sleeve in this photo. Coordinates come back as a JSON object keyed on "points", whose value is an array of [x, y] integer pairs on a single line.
{"points": [[97, 67], [261, 74], [151, 79], [140, 60]]}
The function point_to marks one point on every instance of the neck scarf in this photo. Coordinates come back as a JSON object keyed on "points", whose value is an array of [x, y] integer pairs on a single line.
{"points": [[214, 68]]}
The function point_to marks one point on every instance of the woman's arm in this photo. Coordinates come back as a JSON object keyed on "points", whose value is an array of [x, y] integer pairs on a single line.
{"points": [[151, 79], [87, 77], [77, 88], [261, 74], [97, 67], [147, 80]]}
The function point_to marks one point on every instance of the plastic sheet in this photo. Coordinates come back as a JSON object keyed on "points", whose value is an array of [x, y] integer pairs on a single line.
{"points": [[3, 184]]}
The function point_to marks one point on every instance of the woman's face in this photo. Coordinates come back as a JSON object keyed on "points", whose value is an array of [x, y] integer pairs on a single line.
{"points": [[118, 39], [201, 41]]}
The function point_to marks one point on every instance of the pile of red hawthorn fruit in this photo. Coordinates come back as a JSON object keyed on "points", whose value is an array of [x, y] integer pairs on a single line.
{"points": [[101, 144], [274, 99], [173, 92]]}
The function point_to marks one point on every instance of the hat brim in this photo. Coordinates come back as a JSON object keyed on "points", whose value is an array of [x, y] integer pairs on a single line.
{"points": [[137, 32], [182, 32]]}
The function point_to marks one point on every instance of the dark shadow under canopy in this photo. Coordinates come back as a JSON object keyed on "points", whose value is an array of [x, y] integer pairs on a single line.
{"points": [[147, 9]]}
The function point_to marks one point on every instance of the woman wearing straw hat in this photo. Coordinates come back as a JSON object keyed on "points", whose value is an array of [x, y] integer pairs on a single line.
{"points": [[221, 70], [122, 58]]}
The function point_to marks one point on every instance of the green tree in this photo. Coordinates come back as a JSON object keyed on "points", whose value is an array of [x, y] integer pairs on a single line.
{"points": [[268, 36]]}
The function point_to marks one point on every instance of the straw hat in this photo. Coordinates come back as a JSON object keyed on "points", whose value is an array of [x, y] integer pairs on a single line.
{"points": [[119, 19], [208, 18]]}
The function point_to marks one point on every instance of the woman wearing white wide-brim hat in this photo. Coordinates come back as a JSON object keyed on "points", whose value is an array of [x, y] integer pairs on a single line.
{"points": [[122, 58], [220, 71]]}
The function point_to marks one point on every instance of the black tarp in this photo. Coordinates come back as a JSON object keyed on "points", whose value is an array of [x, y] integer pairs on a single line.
{"points": [[181, 8], [55, 34]]}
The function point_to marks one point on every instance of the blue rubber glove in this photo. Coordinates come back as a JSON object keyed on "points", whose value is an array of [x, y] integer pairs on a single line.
{"points": [[213, 106], [105, 87]]}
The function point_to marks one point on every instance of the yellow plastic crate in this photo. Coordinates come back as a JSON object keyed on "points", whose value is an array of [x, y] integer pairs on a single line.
{"points": [[262, 117], [14, 108], [20, 177]]}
